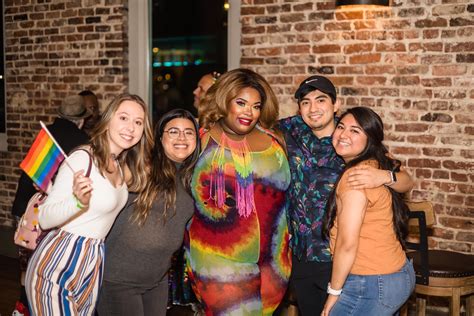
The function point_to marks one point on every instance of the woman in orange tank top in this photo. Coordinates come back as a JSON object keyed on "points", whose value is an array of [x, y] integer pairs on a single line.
{"points": [[367, 228]]}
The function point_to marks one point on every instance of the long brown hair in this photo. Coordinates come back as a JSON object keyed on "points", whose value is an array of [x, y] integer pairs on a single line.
{"points": [[161, 181], [372, 125], [135, 158]]}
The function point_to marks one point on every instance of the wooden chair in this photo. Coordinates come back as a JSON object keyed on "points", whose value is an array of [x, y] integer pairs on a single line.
{"points": [[438, 272]]}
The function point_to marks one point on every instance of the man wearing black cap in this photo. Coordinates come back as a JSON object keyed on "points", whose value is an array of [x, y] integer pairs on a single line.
{"points": [[315, 167]]}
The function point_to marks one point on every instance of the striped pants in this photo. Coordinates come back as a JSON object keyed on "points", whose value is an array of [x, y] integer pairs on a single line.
{"points": [[64, 275]]}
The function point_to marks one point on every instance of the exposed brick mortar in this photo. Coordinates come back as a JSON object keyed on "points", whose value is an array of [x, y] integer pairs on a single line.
{"points": [[53, 50], [412, 63]]}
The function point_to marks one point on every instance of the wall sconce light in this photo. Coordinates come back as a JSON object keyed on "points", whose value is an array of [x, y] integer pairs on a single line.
{"points": [[226, 5], [385, 3]]}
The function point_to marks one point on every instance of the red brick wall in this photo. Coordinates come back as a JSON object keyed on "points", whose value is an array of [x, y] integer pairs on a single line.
{"points": [[412, 63], [54, 49]]}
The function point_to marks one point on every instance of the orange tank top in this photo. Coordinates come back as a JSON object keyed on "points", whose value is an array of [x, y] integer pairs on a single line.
{"points": [[379, 251]]}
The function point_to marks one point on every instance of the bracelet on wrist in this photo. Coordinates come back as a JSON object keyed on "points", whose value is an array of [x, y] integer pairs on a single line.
{"points": [[79, 204], [332, 291]]}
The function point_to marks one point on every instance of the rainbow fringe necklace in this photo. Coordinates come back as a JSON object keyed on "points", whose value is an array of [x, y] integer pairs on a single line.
{"points": [[242, 162]]}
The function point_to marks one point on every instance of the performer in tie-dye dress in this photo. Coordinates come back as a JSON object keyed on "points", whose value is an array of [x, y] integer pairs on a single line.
{"points": [[237, 247]]}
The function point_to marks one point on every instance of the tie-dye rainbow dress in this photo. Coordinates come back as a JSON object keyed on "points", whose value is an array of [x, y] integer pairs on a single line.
{"points": [[239, 261]]}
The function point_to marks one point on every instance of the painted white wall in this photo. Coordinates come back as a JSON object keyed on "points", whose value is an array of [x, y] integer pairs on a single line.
{"points": [[233, 35], [139, 51]]}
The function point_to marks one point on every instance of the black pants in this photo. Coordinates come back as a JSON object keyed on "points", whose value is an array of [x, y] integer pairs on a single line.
{"points": [[309, 281], [123, 300]]}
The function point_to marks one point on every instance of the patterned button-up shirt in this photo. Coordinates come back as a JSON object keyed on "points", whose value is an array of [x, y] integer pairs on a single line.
{"points": [[315, 167]]}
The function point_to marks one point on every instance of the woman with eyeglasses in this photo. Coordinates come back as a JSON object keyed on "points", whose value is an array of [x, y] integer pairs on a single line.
{"points": [[151, 226]]}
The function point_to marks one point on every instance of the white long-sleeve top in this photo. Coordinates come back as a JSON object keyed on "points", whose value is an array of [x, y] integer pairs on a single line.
{"points": [[60, 208]]}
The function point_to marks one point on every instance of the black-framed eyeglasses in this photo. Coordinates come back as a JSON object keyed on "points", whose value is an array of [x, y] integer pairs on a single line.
{"points": [[175, 132]]}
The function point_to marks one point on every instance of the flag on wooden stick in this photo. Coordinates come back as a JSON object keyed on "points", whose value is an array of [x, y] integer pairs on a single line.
{"points": [[43, 158]]}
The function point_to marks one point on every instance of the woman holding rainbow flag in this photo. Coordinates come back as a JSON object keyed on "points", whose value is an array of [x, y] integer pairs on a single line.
{"points": [[64, 274]]}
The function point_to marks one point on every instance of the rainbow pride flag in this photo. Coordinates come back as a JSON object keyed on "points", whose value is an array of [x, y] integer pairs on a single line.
{"points": [[43, 159]]}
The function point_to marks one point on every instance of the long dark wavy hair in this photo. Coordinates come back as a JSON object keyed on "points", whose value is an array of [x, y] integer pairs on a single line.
{"points": [[372, 126], [162, 176]]}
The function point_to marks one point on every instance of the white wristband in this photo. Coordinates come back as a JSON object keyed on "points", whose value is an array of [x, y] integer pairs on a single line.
{"points": [[333, 291]]}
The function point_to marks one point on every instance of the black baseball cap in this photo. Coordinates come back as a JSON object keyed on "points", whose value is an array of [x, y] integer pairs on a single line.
{"points": [[312, 83]]}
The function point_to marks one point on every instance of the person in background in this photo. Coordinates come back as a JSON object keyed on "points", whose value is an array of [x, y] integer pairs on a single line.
{"points": [[151, 227], [237, 243], [315, 167], [91, 102], [371, 274], [65, 271], [203, 85], [66, 129]]}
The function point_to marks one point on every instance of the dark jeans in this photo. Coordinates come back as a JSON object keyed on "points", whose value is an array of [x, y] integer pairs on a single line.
{"points": [[309, 281]]}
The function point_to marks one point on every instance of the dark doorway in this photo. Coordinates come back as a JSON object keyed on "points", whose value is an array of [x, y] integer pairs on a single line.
{"points": [[189, 40]]}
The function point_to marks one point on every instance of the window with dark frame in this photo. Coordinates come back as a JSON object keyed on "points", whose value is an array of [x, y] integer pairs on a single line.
{"points": [[189, 39]]}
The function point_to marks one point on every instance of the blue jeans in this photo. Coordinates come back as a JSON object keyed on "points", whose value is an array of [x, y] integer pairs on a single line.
{"points": [[376, 295]]}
